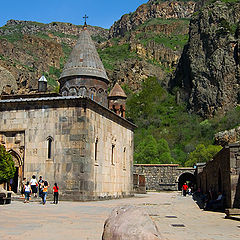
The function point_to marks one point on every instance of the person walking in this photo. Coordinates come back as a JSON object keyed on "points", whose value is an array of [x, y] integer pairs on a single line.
{"points": [[24, 181], [55, 192], [33, 183], [27, 191], [184, 189], [45, 191], [40, 186]]}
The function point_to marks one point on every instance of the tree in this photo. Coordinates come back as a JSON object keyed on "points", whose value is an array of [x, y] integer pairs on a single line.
{"points": [[146, 151], [151, 151], [7, 169], [202, 154]]}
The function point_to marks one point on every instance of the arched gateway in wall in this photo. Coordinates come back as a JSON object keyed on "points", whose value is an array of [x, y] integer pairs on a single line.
{"points": [[188, 178], [18, 164], [165, 176]]}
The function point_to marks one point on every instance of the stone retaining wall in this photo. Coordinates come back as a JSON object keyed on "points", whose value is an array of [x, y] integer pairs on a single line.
{"points": [[161, 176]]}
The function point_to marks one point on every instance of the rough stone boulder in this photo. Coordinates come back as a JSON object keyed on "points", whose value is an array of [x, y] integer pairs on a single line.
{"points": [[130, 223], [226, 137]]}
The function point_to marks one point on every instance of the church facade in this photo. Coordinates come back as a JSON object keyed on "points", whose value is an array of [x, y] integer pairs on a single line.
{"points": [[79, 138]]}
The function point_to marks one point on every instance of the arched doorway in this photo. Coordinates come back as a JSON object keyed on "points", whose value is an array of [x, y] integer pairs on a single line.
{"points": [[15, 183], [188, 178]]}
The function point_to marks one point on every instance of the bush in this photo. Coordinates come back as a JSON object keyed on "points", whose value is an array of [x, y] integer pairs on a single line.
{"points": [[7, 169]]}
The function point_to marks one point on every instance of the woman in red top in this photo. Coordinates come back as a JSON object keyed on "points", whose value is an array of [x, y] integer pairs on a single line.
{"points": [[55, 192], [184, 188]]}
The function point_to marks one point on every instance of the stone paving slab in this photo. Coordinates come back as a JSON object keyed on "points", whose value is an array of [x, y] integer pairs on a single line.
{"points": [[85, 220]]}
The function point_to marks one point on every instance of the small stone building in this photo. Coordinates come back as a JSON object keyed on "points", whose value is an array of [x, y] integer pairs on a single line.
{"points": [[222, 174], [72, 138]]}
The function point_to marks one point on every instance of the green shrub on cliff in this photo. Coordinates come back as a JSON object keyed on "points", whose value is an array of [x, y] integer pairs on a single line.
{"points": [[202, 154], [163, 124], [115, 53], [7, 168]]}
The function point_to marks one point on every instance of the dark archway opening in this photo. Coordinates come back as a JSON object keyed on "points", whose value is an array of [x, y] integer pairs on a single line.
{"points": [[188, 178], [14, 185]]}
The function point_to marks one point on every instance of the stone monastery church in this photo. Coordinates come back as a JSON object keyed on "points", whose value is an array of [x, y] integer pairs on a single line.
{"points": [[79, 138]]}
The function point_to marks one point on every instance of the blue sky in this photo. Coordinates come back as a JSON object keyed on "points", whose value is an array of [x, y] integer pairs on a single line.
{"points": [[101, 13]]}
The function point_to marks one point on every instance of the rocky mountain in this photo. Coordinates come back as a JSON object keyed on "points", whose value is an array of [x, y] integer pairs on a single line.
{"points": [[30, 49], [208, 73], [152, 49], [152, 46], [152, 9]]}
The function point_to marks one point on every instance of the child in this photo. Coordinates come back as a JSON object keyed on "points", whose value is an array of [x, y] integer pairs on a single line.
{"points": [[27, 192], [45, 191], [55, 192]]}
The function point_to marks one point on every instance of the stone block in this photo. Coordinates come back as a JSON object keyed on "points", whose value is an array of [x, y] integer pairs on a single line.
{"points": [[78, 137], [63, 119]]}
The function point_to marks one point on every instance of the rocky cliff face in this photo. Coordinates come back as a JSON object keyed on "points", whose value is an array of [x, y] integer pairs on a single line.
{"points": [[152, 47], [150, 10], [225, 137], [30, 49], [208, 72], [155, 48]]}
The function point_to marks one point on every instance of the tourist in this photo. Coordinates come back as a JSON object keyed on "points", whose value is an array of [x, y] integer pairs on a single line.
{"points": [[45, 191], [27, 191], [33, 183], [40, 186], [189, 191], [184, 189], [24, 181], [215, 204], [55, 192]]}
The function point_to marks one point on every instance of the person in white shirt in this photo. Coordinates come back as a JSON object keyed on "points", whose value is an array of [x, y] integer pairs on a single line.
{"points": [[34, 184], [27, 191]]}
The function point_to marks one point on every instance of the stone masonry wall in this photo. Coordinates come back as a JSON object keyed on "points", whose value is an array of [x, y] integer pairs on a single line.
{"points": [[161, 176], [73, 129], [223, 174]]}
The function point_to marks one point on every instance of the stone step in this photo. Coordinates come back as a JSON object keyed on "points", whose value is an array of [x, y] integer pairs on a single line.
{"points": [[232, 212], [18, 197]]}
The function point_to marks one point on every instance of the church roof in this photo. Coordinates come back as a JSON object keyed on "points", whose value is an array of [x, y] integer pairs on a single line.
{"points": [[42, 79], [84, 59], [117, 91]]}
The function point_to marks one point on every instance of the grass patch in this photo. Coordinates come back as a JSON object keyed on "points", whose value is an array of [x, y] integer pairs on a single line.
{"points": [[99, 39], [12, 37], [111, 55], [174, 42]]}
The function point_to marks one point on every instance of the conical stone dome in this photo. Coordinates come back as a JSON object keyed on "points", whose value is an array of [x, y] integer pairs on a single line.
{"points": [[117, 92], [84, 60], [84, 74]]}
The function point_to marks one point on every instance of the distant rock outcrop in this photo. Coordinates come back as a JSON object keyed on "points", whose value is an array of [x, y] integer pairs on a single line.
{"points": [[229, 136], [152, 9], [208, 73]]}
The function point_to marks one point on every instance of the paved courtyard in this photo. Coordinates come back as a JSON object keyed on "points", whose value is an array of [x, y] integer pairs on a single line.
{"points": [[84, 220]]}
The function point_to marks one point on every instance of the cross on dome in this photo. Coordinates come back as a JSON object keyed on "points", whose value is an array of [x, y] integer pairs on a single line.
{"points": [[85, 23]]}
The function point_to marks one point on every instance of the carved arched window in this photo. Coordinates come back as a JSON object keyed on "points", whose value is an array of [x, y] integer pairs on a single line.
{"points": [[92, 93], [82, 91], [124, 158], [73, 91], [64, 92], [96, 150], [49, 147], [100, 93]]}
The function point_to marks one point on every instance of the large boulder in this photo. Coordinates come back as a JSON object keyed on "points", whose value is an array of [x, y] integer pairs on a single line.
{"points": [[130, 223]]}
